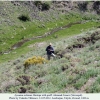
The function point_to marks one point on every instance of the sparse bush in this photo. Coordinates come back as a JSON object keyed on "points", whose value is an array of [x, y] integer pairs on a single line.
{"points": [[59, 80], [73, 78], [65, 66], [91, 73], [78, 70], [37, 3], [24, 79], [42, 5], [83, 6], [96, 5], [24, 18], [98, 79], [33, 61], [40, 73], [95, 88], [45, 6], [80, 83], [87, 61]]}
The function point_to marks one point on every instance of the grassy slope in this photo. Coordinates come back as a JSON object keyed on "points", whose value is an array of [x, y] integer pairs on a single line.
{"points": [[33, 30], [68, 74]]}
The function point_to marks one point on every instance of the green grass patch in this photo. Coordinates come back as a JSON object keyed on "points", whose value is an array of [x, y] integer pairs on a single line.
{"points": [[79, 83], [76, 29]]}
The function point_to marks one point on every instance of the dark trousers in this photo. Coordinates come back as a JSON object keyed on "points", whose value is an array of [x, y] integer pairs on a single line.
{"points": [[49, 56]]}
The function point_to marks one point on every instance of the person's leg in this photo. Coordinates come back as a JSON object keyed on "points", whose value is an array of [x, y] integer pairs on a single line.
{"points": [[48, 57]]}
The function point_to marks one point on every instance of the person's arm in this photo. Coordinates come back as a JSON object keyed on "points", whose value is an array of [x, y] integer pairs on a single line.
{"points": [[52, 50], [47, 49]]}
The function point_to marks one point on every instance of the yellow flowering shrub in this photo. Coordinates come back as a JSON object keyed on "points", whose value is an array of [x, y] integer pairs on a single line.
{"points": [[34, 60]]}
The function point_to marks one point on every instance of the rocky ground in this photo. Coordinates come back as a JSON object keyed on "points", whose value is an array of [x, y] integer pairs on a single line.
{"points": [[8, 8]]}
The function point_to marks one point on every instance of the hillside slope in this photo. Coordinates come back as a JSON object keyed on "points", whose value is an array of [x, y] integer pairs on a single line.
{"points": [[74, 30], [76, 69], [41, 16], [10, 10]]}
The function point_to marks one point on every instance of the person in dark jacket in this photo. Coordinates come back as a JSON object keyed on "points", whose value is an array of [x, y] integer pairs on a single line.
{"points": [[50, 51]]}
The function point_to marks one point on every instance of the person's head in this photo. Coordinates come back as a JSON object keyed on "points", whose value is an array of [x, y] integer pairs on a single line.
{"points": [[50, 44]]}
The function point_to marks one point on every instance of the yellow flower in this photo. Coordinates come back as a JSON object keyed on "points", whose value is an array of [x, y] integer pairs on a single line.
{"points": [[34, 60]]}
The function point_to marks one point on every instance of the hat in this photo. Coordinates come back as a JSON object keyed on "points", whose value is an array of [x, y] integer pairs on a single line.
{"points": [[50, 43]]}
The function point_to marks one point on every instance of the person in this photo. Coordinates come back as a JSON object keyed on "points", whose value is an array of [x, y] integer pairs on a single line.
{"points": [[50, 51]]}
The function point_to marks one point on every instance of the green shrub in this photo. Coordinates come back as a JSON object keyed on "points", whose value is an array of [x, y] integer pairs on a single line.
{"points": [[45, 6], [98, 79], [92, 72], [24, 18], [37, 3], [80, 83], [96, 5], [95, 88], [83, 6], [73, 78]]}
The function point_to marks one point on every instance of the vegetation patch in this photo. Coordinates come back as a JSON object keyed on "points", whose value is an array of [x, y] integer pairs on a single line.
{"points": [[24, 18], [33, 61]]}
